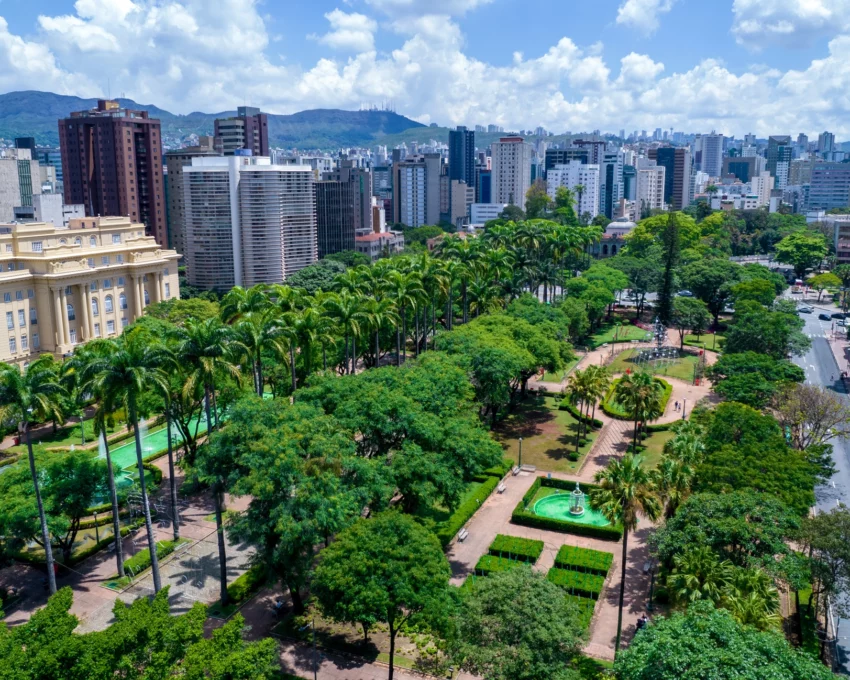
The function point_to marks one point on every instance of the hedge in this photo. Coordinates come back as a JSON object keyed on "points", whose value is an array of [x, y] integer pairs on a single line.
{"points": [[246, 585], [607, 404], [584, 559], [448, 529], [595, 423], [586, 607], [661, 427], [523, 549], [103, 520], [525, 517], [577, 582], [499, 471], [491, 564], [142, 559], [76, 558]]}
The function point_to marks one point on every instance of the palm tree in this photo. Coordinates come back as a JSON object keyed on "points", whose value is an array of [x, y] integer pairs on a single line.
{"points": [[685, 447], [483, 295], [312, 327], [123, 375], [405, 290], [347, 310], [640, 394], [580, 389], [33, 396], [258, 332], [579, 189], [625, 492], [672, 479], [100, 431], [238, 302], [697, 574], [600, 381], [380, 313]]}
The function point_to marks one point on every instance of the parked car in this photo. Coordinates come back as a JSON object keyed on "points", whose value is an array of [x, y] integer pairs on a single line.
{"points": [[824, 316], [685, 293], [805, 309], [839, 315]]}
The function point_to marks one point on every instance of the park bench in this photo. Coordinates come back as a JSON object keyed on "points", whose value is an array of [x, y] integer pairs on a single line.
{"points": [[462, 534], [515, 470], [501, 488]]}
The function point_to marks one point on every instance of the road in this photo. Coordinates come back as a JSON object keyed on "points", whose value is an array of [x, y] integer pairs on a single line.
{"points": [[822, 369]]}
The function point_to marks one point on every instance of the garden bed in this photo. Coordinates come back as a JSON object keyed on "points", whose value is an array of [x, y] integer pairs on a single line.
{"points": [[613, 409], [681, 367], [584, 560], [514, 548], [577, 582]]}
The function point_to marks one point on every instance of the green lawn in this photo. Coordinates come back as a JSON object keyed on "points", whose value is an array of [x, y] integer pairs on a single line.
{"points": [[681, 368], [65, 436], [548, 435], [558, 376], [708, 340], [653, 447], [626, 333]]}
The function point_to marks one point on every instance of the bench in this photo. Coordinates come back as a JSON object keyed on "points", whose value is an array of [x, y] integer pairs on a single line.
{"points": [[462, 534], [515, 470], [501, 488]]}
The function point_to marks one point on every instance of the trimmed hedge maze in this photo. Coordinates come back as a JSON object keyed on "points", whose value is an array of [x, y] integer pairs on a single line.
{"points": [[506, 552], [584, 560]]}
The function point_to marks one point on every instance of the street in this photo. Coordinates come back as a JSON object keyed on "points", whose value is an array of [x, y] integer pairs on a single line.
{"points": [[822, 369]]}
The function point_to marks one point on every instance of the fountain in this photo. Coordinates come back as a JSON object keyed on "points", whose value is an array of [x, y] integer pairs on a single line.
{"points": [[147, 449], [577, 502]]}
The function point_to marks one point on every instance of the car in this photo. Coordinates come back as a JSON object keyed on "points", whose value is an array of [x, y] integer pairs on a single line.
{"points": [[824, 316], [805, 309], [685, 293], [838, 315]]}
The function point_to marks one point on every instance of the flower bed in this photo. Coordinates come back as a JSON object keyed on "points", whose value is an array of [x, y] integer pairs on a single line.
{"points": [[514, 548], [584, 559]]}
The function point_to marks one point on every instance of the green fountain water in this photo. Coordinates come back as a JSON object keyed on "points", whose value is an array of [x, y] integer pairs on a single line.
{"points": [[570, 507]]}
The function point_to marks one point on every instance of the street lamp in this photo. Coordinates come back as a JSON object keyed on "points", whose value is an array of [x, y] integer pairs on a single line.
{"points": [[684, 408], [520, 453], [96, 532]]}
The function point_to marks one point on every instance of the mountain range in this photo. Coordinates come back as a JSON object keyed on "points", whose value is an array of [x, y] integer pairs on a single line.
{"points": [[35, 114]]}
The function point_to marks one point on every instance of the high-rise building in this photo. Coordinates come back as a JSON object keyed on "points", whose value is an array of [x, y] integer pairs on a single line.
{"points": [[247, 221], [629, 183], [802, 143], [511, 177], [48, 156], [611, 182], [826, 143], [416, 190], [462, 155], [743, 167], [175, 162], [348, 171], [483, 184], [650, 187], [112, 164], [712, 154], [576, 175], [72, 284], [779, 155], [20, 180], [248, 129], [343, 207], [26, 143], [555, 157], [595, 149], [830, 187], [761, 186], [676, 162], [801, 170]]}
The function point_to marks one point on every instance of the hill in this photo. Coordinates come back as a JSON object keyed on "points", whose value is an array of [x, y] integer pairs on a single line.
{"points": [[35, 114]]}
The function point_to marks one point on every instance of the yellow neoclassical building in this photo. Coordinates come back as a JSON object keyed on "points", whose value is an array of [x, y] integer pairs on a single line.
{"points": [[63, 286]]}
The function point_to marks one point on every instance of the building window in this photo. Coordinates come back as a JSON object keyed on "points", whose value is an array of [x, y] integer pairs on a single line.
{"points": [[73, 335], [25, 345], [116, 238], [124, 322], [30, 293], [8, 247], [119, 259], [62, 242], [104, 259], [19, 295], [95, 307], [13, 345], [10, 320], [36, 341], [37, 247], [71, 315], [91, 262], [22, 317], [107, 304], [93, 241], [33, 317], [167, 291], [120, 280], [147, 298], [122, 301], [110, 327], [67, 290], [78, 241], [93, 285], [7, 297], [97, 330]]}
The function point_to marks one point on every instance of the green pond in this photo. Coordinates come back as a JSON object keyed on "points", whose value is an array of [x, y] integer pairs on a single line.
{"points": [[558, 506]]}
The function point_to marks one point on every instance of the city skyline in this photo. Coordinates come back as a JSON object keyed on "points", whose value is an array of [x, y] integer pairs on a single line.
{"points": [[631, 64]]}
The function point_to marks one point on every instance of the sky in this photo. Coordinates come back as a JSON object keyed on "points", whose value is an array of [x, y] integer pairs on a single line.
{"points": [[733, 66]]}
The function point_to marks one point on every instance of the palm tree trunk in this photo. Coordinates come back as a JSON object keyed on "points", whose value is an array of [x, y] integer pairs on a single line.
{"points": [[113, 497], [416, 333], [433, 327], [324, 357], [260, 380], [398, 344], [465, 307], [345, 360], [292, 364], [207, 409], [45, 534], [214, 404], [404, 332], [353, 353], [377, 348], [157, 585], [222, 548], [622, 592], [634, 437], [172, 482]]}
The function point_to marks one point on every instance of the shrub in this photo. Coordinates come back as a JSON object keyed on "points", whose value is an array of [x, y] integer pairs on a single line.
{"points": [[490, 564], [586, 606], [525, 517], [447, 530], [608, 405], [142, 559], [512, 547], [584, 559], [576, 582], [154, 472], [573, 456], [499, 471], [246, 585], [661, 427], [573, 411], [78, 557]]}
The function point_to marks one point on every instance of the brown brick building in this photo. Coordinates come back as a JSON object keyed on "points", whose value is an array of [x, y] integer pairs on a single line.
{"points": [[112, 163]]}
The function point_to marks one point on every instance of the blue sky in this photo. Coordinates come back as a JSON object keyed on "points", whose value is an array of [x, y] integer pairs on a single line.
{"points": [[735, 66]]}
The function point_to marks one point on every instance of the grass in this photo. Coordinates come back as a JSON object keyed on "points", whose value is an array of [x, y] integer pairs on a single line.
{"points": [[711, 341], [590, 668], [548, 435], [653, 447], [681, 368], [558, 376], [65, 436], [626, 333]]}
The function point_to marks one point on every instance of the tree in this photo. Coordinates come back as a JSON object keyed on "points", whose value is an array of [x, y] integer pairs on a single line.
{"points": [[842, 271], [382, 570], [625, 492], [316, 277], [826, 538], [644, 274], [640, 394], [752, 378], [813, 415], [178, 311], [671, 246], [351, 258], [705, 642], [256, 334], [711, 281], [512, 213], [803, 250], [689, 314], [759, 290], [537, 201], [516, 625], [821, 282], [123, 375], [29, 397], [764, 331]]}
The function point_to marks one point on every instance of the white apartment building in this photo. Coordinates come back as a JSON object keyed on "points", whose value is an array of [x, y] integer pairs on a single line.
{"points": [[711, 149], [511, 171], [650, 186], [247, 221], [60, 287], [481, 213], [761, 186], [572, 175]]}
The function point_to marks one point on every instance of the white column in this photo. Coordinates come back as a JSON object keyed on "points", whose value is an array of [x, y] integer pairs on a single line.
{"points": [[59, 333], [85, 326], [137, 301], [66, 327]]}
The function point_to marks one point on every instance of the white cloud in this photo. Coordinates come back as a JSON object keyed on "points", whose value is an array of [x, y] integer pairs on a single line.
{"points": [[643, 14], [788, 23], [420, 7], [188, 55]]}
